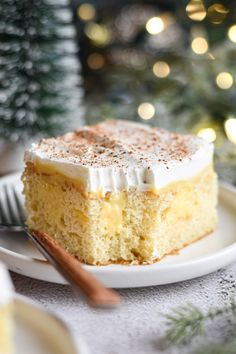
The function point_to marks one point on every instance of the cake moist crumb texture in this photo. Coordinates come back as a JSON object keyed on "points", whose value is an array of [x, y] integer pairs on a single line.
{"points": [[121, 192]]}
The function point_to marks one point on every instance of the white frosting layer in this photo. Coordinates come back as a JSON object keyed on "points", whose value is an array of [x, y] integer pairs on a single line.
{"points": [[144, 168], [6, 287]]}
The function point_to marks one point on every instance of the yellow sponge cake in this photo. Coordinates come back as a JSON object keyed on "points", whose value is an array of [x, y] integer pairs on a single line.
{"points": [[121, 192]]}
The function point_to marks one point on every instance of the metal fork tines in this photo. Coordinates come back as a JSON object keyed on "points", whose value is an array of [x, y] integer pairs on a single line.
{"points": [[12, 214]]}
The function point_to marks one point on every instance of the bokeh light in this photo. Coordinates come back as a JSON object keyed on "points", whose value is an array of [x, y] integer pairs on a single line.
{"points": [[224, 80], [161, 69], [199, 45], [95, 61], [230, 129], [146, 110], [86, 12], [207, 134], [155, 25], [98, 33], [196, 10], [232, 33], [217, 13]]}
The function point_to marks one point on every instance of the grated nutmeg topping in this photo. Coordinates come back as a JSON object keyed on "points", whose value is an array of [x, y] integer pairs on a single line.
{"points": [[120, 143]]}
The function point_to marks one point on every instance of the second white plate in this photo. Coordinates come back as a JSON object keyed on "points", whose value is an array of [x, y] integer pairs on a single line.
{"points": [[38, 331], [205, 256]]}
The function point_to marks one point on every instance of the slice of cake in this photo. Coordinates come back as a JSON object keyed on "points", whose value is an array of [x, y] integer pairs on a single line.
{"points": [[6, 312], [121, 192]]}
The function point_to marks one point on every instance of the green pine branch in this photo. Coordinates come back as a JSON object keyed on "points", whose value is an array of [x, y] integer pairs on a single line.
{"points": [[188, 321]]}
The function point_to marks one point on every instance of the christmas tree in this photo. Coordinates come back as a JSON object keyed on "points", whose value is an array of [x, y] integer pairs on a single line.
{"points": [[39, 90]]}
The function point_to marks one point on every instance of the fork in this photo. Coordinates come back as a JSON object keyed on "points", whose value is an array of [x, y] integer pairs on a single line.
{"points": [[12, 218]]}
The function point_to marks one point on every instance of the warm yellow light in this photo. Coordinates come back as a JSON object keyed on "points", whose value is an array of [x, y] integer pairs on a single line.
{"points": [[217, 13], [224, 80], [207, 134], [146, 110], [161, 69], [232, 33], [196, 10], [99, 34], [86, 12], [199, 45], [95, 61], [230, 129], [155, 25]]}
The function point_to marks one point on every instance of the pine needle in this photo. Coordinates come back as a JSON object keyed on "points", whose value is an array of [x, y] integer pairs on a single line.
{"points": [[183, 323], [187, 321]]}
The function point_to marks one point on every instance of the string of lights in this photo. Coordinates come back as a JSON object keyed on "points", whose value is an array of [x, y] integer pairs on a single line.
{"points": [[150, 44]]}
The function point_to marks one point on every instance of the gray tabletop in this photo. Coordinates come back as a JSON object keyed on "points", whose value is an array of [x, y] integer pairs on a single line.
{"points": [[138, 326]]}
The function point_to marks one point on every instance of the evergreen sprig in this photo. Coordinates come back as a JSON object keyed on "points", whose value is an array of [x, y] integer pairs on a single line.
{"points": [[187, 321], [183, 323]]}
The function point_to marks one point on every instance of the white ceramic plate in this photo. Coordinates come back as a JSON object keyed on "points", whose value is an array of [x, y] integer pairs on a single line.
{"points": [[205, 256], [32, 334]]}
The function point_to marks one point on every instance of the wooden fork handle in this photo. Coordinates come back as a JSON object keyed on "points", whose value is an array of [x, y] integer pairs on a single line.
{"points": [[71, 269]]}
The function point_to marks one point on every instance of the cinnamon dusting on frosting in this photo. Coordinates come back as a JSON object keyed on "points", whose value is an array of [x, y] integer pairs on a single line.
{"points": [[119, 144]]}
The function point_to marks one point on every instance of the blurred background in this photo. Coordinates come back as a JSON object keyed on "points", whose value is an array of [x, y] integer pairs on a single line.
{"points": [[167, 63]]}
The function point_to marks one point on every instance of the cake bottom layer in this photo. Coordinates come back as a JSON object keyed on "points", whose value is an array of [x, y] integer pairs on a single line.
{"points": [[6, 329], [126, 227]]}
